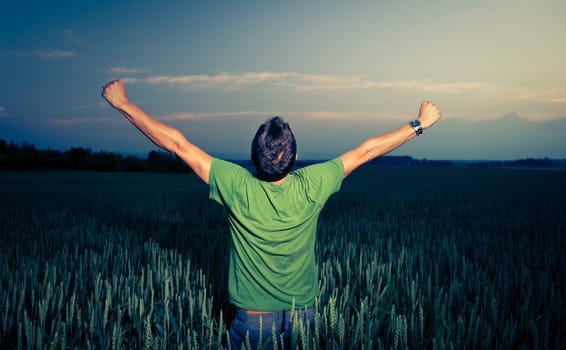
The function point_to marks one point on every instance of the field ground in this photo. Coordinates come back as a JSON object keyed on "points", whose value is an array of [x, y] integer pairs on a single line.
{"points": [[408, 258]]}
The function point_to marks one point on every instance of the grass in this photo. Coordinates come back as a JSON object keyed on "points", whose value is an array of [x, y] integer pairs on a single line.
{"points": [[408, 258]]}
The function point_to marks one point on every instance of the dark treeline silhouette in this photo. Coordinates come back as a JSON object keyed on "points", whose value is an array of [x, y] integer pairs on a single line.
{"points": [[27, 157], [527, 162], [408, 161]]}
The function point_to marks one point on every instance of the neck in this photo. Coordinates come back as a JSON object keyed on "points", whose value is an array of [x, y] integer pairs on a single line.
{"points": [[280, 181]]}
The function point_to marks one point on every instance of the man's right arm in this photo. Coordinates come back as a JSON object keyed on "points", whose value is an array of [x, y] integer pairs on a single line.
{"points": [[164, 136], [382, 144]]}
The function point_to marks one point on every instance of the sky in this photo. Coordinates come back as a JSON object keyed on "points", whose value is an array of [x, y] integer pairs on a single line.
{"points": [[337, 71]]}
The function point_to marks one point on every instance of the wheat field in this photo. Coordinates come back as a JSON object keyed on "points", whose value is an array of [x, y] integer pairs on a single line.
{"points": [[409, 258]]}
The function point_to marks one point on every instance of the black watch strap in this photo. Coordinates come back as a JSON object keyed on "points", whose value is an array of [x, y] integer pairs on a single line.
{"points": [[416, 125]]}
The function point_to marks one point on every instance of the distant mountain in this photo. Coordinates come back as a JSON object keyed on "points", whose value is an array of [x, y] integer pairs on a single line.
{"points": [[512, 117]]}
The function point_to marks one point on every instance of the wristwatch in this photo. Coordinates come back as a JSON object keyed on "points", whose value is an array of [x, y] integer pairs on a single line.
{"points": [[416, 125]]}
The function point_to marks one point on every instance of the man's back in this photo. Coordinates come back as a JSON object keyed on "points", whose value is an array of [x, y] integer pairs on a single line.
{"points": [[273, 231]]}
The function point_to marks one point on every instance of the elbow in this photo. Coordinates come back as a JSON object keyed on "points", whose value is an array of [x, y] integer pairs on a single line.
{"points": [[176, 142]]}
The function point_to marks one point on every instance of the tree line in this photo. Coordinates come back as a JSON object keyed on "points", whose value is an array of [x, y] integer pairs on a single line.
{"points": [[27, 157]]}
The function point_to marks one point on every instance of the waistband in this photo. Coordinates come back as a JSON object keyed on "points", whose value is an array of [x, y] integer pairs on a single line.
{"points": [[257, 312]]}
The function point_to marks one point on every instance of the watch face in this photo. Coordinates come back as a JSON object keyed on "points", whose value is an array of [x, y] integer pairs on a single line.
{"points": [[415, 123]]}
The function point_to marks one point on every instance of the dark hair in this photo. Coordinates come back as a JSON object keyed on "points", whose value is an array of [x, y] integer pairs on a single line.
{"points": [[274, 150]]}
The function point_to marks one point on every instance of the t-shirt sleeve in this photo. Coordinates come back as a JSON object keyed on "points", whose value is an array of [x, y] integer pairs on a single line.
{"points": [[323, 179], [224, 180]]}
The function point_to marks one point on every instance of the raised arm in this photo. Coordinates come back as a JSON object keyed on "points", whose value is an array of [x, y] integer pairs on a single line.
{"points": [[382, 144], [164, 136]]}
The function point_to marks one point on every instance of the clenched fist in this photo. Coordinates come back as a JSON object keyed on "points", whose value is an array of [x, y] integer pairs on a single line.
{"points": [[115, 93], [428, 114]]}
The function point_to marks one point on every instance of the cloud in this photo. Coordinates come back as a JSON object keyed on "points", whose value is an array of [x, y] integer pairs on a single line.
{"points": [[304, 82], [553, 95], [55, 55], [326, 83], [183, 116], [557, 99], [222, 80], [3, 112], [327, 115], [125, 70], [211, 115], [320, 115], [519, 93], [48, 55], [75, 121], [130, 80]]}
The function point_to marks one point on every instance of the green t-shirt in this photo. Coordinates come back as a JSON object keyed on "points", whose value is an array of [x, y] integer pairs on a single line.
{"points": [[273, 231]]}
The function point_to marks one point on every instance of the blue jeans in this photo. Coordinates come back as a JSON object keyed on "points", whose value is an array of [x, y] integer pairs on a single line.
{"points": [[248, 321]]}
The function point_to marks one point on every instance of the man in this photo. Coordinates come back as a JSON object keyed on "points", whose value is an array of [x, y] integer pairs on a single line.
{"points": [[272, 214]]}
